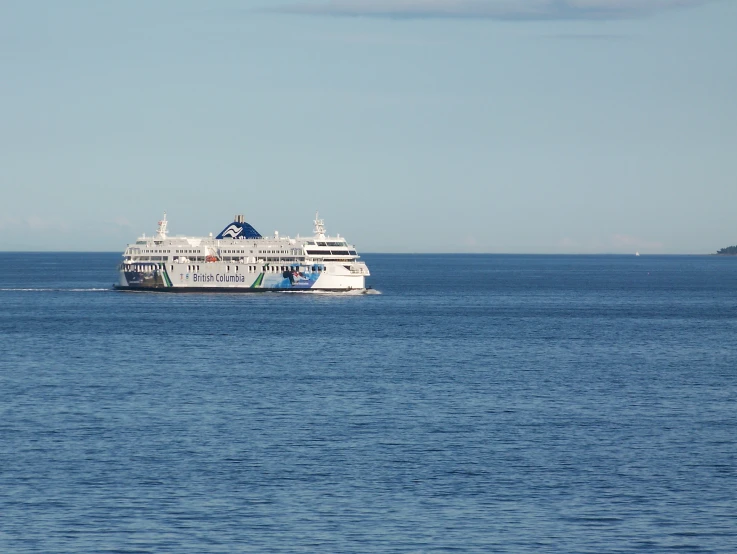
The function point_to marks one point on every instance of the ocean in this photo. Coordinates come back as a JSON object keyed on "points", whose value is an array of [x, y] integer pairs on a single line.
{"points": [[479, 403]]}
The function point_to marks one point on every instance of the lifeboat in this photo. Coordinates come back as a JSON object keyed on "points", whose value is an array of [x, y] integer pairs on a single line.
{"points": [[211, 258]]}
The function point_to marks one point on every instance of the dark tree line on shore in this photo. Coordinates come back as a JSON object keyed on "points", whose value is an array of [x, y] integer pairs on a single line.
{"points": [[730, 251]]}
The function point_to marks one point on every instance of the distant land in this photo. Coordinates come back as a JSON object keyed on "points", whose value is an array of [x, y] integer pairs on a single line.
{"points": [[729, 251]]}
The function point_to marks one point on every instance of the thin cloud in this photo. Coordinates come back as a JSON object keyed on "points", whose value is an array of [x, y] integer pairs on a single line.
{"points": [[122, 222], [33, 223], [38, 223], [590, 36], [509, 10], [625, 242], [7, 222]]}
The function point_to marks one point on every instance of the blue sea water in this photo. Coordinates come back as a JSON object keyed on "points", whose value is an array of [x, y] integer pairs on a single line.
{"points": [[478, 404]]}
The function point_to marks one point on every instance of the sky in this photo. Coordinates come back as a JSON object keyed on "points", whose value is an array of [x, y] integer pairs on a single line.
{"points": [[500, 126]]}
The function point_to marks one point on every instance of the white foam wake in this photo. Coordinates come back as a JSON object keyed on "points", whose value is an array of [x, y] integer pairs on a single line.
{"points": [[2, 289]]}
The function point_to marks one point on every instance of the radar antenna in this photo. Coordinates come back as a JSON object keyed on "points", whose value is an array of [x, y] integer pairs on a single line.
{"points": [[319, 226]]}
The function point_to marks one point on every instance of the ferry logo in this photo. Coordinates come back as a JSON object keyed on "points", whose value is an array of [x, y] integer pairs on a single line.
{"points": [[232, 231]]}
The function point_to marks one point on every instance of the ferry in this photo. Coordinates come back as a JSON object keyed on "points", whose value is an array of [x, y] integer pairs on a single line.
{"points": [[240, 259]]}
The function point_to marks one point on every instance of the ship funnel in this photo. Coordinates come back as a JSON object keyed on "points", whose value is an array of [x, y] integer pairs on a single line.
{"points": [[239, 229]]}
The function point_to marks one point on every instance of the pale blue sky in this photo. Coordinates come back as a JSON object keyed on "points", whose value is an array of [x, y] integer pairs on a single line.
{"points": [[532, 126]]}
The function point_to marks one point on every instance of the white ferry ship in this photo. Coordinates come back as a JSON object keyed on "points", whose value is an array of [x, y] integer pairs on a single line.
{"points": [[239, 259]]}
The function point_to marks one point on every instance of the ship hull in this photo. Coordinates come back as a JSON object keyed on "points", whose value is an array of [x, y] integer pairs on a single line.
{"points": [[228, 290], [218, 277]]}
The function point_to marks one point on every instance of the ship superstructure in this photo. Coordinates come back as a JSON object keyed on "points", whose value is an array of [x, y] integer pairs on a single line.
{"points": [[240, 259]]}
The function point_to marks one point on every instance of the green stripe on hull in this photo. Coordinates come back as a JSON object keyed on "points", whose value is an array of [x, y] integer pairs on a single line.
{"points": [[257, 283], [167, 280]]}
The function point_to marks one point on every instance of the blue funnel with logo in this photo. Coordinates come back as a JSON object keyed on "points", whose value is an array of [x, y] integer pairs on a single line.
{"points": [[239, 229]]}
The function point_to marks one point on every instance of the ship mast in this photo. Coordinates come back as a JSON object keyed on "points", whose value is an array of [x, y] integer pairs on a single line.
{"points": [[319, 226], [161, 229]]}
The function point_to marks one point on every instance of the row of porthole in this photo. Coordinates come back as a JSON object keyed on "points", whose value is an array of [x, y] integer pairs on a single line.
{"points": [[253, 269], [141, 267], [260, 251]]}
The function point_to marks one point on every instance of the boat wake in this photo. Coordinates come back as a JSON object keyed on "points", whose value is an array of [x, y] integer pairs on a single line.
{"points": [[313, 292], [2, 289], [344, 292]]}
